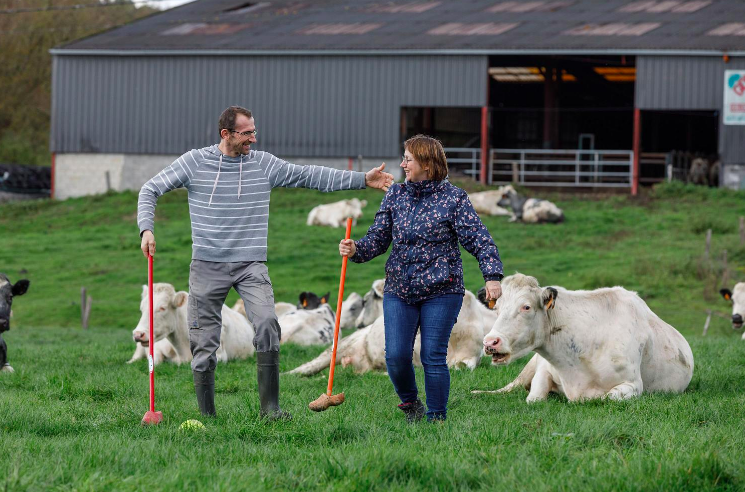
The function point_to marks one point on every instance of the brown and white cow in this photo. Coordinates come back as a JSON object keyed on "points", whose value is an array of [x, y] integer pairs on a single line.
{"points": [[7, 292], [486, 202], [738, 304], [169, 316], [604, 343], [364, 349]]}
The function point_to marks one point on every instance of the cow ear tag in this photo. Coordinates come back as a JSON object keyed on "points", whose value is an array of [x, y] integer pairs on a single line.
{"points": [[305, 303], [727, 297], [550, 303], [492, 303]]}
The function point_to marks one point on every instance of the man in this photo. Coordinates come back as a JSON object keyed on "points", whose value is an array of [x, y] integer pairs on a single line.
{"points": [[229, 186]]}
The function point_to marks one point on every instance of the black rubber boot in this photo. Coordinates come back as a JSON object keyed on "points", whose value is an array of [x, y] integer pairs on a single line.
{"points": [[267, 371], [204, 386], [414, 410]]}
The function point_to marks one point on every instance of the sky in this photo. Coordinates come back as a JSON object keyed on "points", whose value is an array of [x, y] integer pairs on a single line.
{"points": [[167, 4]]}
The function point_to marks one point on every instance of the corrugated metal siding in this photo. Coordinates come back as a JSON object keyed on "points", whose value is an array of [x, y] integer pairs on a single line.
{"points": [[693, 83], [331, 106]]}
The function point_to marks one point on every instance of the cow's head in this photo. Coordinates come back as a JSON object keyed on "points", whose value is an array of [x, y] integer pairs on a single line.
{"points": [[7, 292], [738, 304], [309, 300], [373, 304], [350, 310], [522, 319], [166, 302]]}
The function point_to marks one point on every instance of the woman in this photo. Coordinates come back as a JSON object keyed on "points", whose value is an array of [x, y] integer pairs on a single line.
{"points": [[424, 218]]}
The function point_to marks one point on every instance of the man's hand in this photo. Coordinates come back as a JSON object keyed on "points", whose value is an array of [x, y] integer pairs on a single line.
{"points": [[347, 247], [376, 178], [148, 244], [493, 290]]}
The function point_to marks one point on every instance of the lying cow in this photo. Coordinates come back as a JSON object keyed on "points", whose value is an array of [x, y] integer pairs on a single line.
{"points": [[350, 311], [486, 202], [372, 305], [364, 349], [280, 308], [163, 350], [169, 317], [604, 343], [738, 304], [7, 292], [308, 326], [335, 214], [531, 210]]}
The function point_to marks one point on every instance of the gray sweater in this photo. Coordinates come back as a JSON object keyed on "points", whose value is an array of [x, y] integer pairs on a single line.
{"points": [[229, 198]]}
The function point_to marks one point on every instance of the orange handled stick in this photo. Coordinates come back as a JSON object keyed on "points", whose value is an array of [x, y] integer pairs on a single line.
{"points": [[328, 399]]}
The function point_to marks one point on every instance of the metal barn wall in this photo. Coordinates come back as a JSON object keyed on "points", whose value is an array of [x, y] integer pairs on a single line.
{"points": [[693, 83], [314, 106]]}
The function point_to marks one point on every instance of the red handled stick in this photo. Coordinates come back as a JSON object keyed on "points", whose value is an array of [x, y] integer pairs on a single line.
{"points": [[151, 416], [328, 399]]}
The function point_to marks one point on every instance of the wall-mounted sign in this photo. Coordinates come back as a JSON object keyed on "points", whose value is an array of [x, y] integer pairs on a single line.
{"points": [[734, 97]]}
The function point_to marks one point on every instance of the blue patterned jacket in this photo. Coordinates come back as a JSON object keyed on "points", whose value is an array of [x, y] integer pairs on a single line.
{"points": [[425, 221]]}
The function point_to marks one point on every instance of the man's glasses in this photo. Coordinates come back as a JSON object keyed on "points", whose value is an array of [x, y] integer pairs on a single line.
{"points": [[245, 134]]}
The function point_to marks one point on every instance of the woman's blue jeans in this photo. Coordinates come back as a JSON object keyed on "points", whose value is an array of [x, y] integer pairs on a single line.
{"points": [[435, 318]]}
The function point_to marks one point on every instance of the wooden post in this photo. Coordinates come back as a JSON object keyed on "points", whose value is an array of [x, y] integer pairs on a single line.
{"points": [[708, 244], [708, 320], [742, 231], [725, 270], [484, 144], [85, 307]]}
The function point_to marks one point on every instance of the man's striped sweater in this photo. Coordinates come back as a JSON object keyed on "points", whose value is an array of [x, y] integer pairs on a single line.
{"points": [[229, 198]]}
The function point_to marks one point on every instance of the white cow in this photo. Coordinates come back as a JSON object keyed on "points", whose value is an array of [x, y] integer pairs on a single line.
{"points": [[169, 316], [335, 214], [162, 351], [486, 202], [604, 343], [350, 311], [364, 349], [372, 304], [280, 308], [308, 326], [738, 305]]}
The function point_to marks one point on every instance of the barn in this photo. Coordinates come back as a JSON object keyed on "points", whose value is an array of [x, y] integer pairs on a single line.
{"points": [[571, 93]]}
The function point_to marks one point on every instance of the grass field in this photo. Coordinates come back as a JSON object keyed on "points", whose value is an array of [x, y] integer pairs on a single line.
{"points": [[69, 416]]}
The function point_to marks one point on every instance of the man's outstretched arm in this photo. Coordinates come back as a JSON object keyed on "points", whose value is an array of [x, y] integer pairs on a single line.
{"points": [[285, 174]]}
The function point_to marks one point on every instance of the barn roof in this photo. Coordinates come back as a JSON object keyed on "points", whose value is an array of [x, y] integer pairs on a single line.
{"points": [[430, 26]]}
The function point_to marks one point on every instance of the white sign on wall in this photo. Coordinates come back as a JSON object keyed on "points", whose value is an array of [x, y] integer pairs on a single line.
{"points": [[734, 97]]}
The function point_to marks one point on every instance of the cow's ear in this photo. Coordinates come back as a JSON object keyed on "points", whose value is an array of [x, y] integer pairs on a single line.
{"points": [[481, 294], [20, 287], [179, 299], [549, 297], [363, 204], [378, 286], [303, 297], [726, 293], [325, 298]]}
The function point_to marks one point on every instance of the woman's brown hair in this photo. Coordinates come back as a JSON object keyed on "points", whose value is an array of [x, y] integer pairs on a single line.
{"points": [[428, 152]]}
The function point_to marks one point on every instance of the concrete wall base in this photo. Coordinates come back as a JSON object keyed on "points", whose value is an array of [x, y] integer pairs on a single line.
{"points": [[86, 174]]}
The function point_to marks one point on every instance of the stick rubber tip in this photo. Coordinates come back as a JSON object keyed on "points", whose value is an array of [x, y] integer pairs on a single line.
{"points": [[152, 418], [324, 401]]}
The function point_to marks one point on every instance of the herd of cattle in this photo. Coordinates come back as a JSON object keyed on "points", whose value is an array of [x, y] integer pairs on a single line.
{"points": [[604, 343]]}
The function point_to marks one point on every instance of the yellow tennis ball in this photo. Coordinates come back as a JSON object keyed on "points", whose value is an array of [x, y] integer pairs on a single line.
{"points": [[192, 425]]}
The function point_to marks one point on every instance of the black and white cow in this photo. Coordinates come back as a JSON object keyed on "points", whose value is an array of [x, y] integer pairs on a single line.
{"points": [[7, 292], [531, 210], [310, 300]]}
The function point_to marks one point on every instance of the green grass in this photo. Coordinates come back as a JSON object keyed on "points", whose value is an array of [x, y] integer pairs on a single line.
{"points": [[69, 416]]}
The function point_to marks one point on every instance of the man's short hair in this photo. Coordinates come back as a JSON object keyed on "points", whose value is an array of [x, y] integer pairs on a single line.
{"points": [[428, 152], [227, 118]]}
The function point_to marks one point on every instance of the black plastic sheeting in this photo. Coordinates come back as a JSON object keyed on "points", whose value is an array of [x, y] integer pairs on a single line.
{"points": [[27, 180]]}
